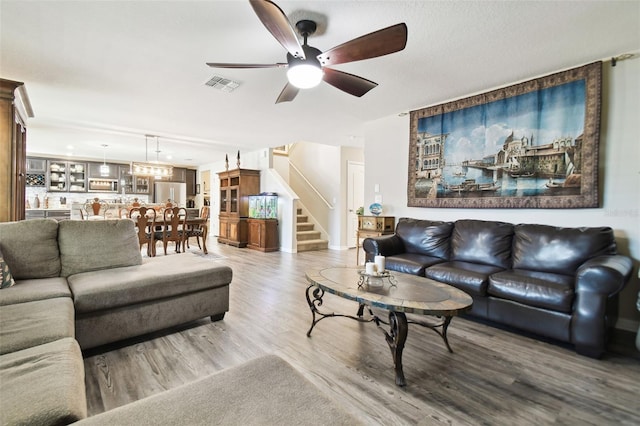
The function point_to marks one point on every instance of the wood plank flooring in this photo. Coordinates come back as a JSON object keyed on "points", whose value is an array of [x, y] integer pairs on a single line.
{"points": [[494, 377]]}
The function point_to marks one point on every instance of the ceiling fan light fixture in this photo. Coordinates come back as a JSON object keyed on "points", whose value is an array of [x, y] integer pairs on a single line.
{"points": [[304, 76]]}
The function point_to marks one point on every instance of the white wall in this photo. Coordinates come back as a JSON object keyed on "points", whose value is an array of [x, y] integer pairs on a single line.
{"points": [[347, 154], [386, 159]]}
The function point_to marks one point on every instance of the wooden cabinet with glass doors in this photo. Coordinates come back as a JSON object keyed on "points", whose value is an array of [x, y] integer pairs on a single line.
{"points": [[235, 187]]}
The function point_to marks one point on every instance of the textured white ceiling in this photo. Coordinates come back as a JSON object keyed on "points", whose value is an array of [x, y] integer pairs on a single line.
{"points": [[111, 72]]}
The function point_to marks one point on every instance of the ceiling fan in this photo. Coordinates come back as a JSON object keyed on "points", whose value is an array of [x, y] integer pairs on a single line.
{"points": [[307, 66]]}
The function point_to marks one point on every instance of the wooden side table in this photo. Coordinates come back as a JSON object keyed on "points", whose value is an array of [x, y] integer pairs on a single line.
{"points": [[373, 226]]}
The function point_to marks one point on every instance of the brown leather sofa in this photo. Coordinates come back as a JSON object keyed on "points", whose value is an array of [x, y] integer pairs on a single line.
{"points": [[561, 283]]}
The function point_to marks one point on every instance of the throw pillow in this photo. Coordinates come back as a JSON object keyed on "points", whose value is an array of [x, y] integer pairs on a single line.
{"points": [[7, 278]]}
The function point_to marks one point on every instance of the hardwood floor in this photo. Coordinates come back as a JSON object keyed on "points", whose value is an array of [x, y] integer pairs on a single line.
{"points": [[493, 377]]}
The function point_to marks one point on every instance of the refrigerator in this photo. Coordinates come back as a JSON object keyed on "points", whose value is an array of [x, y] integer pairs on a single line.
{"points": [[174, 191]]}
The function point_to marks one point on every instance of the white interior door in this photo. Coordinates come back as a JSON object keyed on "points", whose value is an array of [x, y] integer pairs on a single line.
{"points": [[355, 198]]}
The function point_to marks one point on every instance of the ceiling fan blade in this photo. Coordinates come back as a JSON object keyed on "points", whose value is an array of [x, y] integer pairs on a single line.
{"points": [[382, 42], [352, 84], [228, 65], [288, 93], [278, 25]]}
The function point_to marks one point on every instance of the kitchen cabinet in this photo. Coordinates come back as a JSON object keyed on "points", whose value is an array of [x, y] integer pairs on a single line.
{"points": [[94, 171], [134, 184], [235, 188], [263, 234], [36, 165], [179, 175], [36, 172], [57, 214], [66, 176], [191, 182]]}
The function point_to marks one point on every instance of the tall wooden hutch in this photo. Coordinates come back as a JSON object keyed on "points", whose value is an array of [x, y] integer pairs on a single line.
{"points": [[14, 109], [235, 187]]}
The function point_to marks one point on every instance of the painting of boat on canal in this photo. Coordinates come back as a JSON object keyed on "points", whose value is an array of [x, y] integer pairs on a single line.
{"points": [[532, 145]]}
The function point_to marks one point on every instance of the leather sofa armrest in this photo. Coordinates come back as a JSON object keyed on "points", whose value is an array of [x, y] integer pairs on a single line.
{"points": [[384, 245], [604, 274], [597, 282]]}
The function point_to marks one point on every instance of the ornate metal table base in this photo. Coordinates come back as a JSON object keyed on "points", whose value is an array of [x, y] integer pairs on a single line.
{"points": [[398, 327]]}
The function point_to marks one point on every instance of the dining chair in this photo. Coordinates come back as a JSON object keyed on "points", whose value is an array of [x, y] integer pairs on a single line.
{"points": [[174, 226], [94, 210], [145, 219], [197, 230]]}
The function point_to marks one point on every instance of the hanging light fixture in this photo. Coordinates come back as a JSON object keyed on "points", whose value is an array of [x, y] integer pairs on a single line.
{"points": [[305, 73], [159, 171], [104, 169]]}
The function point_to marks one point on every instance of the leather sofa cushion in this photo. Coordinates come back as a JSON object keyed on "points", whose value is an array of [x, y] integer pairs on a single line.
{"points": [[30, 248], [559, 250], [484, 242], [470, 277], [410, 263], [539, 289], [430, 238], [90, 245]]}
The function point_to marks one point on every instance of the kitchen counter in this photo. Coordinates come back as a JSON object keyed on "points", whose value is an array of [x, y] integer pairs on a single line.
{"points": [[42, 213], [72, 211]]}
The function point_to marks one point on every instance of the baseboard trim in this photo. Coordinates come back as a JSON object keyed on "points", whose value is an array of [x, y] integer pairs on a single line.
{"points": [[627, 324]]}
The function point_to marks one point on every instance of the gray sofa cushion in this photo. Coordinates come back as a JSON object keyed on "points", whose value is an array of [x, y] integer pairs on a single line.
{"points": [[559, 250], [156, 278], [24, 325], [43, 385], [30, 248], [91, 245], [264, 391], [484, 242], [35, 289]]}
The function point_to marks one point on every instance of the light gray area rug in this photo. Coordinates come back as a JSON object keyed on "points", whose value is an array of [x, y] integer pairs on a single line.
{"points": [[200, 253], [263, 391]]}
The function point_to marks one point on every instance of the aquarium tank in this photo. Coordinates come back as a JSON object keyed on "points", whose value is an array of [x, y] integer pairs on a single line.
{"points": [[263, 206]]}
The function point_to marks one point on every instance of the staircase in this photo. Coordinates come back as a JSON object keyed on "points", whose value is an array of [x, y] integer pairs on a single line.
{"points": [[308, 239]]}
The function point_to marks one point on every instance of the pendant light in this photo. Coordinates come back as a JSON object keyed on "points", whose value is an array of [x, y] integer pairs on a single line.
{"points": [[154, 169], [104, 168]]}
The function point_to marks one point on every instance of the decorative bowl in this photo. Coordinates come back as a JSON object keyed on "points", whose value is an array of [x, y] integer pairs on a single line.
{"points": [[375, 208]]}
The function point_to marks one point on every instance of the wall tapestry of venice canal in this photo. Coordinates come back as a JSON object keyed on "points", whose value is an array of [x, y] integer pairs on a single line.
{"points": [[532, 145]]}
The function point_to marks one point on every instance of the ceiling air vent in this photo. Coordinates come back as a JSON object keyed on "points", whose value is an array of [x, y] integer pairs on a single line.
{"points": [[224, 84]]}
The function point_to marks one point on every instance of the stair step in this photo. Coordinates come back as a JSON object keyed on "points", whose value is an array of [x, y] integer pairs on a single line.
{"points": [[298, 210], [302, 218], [308, 235], [311, 245], [304, 227]]}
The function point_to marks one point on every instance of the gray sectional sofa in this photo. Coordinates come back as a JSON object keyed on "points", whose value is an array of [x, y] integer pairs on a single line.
{"points": [[557, 282], [81, 284]]}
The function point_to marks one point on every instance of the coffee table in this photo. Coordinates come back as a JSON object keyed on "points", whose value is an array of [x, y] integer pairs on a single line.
{"points": [[396, 292]]}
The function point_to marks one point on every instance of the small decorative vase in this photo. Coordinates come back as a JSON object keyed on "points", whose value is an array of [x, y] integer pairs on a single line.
{"points": [[375, 209]]}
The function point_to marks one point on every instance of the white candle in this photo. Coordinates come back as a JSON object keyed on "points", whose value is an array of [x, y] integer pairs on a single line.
{"points": [[370, 268], [380, 263]]}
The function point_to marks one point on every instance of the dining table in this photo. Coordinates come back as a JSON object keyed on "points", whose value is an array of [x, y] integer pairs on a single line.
{"points": [[193, 221]]}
